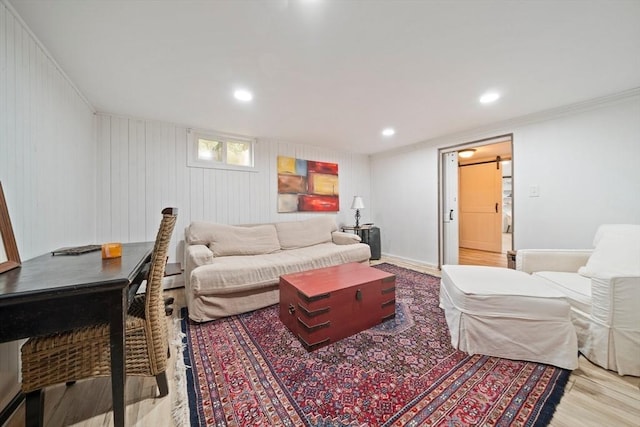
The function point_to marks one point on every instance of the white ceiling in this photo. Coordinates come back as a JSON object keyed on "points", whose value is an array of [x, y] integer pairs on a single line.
{"points": [[335, 73]]}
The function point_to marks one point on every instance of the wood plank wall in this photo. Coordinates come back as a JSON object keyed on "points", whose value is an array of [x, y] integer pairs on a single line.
{"points": [[71, 177], [142, 167], [47, 159]]}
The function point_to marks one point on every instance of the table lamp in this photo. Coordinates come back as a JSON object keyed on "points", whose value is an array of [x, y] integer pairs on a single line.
{"points": [[357, 205]]}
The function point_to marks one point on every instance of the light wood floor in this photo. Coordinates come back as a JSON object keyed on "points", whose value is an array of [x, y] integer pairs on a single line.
{"points": [[476, 257], [593, 397]]}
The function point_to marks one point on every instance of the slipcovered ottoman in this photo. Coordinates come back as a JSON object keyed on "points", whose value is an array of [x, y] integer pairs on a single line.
{"points": [[507, 313]]}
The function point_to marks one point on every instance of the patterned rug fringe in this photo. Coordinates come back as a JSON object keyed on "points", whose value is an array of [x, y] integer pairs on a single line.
{"points": [[180, 410], [549, 408]]}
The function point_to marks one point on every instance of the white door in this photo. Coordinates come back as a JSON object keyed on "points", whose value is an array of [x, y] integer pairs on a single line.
{"points": [[450, 208]]}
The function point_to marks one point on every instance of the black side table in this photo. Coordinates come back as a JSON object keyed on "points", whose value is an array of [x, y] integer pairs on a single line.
{"points": [[511, 259]]}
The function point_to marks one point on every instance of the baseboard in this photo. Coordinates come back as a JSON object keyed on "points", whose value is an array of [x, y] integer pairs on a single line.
{"points": [[173, 282], [170, 282], [409, 261]]}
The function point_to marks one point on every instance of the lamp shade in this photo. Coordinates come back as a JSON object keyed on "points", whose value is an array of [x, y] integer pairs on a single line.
{"points": [[357, 203]]}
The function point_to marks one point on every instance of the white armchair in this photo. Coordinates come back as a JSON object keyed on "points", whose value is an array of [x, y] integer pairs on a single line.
{"points": [[602, 286]]}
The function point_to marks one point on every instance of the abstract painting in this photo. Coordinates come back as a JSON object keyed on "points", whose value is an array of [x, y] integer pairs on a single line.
{"points": [[307, 186]]}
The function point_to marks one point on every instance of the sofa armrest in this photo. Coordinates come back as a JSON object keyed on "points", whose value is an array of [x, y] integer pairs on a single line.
{"points": [[195, 256], [614, 302], [342, 238], [569, 260]]}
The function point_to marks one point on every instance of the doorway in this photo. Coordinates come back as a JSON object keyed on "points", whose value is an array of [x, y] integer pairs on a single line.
{"points": [[476, 202]]}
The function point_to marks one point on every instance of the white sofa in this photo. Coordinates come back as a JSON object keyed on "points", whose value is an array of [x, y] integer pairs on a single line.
{"points": [[234, 269], [602, 285]]}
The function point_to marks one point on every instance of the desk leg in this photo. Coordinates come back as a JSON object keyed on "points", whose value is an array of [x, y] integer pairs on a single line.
{"points": [[34, 412], [118, 370]]}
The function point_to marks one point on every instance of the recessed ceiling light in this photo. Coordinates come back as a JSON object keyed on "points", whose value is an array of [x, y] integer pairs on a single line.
{"points": [[243, 95], [388, 131], [489, 97]]}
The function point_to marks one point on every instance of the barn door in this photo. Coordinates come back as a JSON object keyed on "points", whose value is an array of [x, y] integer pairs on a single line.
{"points": [[481, 206]]}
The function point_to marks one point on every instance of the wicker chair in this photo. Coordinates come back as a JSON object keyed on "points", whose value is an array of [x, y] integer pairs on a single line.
{"points": [[85, 352]]}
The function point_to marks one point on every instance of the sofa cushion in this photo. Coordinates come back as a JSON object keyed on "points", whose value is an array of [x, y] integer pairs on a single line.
{"points": [[616, 255], [236, 274], [576, 288], [617, 229], [300, 234], [502, 292], [199, 233], [231, 240], [226, 240]]}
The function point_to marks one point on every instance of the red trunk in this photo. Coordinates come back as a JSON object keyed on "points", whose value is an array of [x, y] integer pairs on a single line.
{"points": [[325, 305]]}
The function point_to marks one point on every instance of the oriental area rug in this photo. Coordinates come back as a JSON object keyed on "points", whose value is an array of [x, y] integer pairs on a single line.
{"points": [[250, 370]]}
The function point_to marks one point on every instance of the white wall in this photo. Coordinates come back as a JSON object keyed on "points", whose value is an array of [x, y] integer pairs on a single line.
{"points": [[47, 158], [404, 192], [47, 147], [585, 160], [142, 168], [588, 169]]}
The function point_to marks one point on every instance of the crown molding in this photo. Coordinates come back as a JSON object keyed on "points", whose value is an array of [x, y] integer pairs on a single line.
{"points": [[507, 126], [578, 107]]}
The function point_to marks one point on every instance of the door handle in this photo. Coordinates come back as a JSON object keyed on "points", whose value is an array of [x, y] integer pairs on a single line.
{"points": [[496, 207], [451, 215]]}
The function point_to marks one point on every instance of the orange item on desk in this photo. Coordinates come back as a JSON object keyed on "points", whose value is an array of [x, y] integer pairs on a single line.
{"points": [[111, 250]]}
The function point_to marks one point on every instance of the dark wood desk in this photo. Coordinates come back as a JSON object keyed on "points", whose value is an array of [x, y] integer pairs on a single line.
{"points": [[57, 293]]}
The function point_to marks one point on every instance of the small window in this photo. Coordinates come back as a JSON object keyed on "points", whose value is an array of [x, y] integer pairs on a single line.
{"points": [[239, 153], [209, 150]]}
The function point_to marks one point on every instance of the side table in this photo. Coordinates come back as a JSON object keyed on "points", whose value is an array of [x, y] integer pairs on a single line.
{"points": [[511, 259], [369, 235]]}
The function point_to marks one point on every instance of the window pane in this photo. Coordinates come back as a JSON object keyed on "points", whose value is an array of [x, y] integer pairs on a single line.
{"points": [[209, 150], [239, 153]]}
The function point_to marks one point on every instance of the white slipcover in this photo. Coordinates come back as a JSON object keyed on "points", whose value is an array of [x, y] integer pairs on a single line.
{"points": [[603, 290], [507, 313], [235, 269]]}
